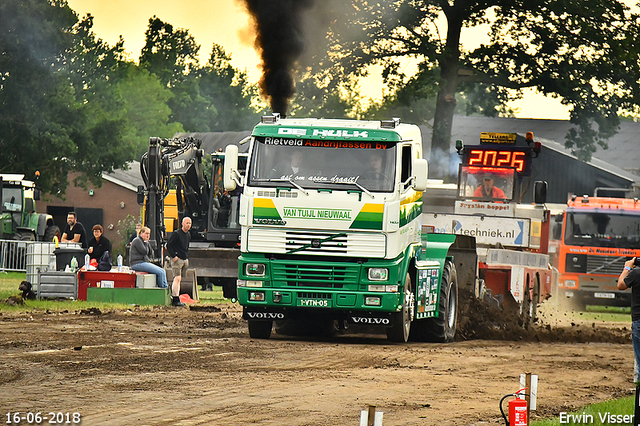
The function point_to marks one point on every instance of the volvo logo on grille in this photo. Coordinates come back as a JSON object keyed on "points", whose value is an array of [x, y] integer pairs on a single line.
{"points": [[316, 243]]}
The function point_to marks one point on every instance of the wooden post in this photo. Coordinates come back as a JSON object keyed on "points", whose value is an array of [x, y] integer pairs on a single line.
{"points": [[371, 415]]}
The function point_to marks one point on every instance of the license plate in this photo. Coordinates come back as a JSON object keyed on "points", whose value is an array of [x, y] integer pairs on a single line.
{"points": [[604, 295], [314, 303]]}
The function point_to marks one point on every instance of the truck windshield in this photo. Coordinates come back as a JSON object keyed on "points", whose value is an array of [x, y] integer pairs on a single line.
{"points": [[486, 183], [323, 164], [599, 229]]}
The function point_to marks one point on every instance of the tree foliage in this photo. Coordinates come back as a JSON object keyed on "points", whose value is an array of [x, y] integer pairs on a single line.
{"points": [[54, 106], [209, 98], [584, 52], [69, 102]]}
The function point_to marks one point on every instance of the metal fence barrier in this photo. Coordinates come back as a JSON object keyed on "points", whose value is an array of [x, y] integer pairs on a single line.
{"points": [[13, 255]]}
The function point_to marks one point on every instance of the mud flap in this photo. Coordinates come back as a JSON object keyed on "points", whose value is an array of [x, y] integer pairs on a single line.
{"points": [[370, 319], [263, 314]]}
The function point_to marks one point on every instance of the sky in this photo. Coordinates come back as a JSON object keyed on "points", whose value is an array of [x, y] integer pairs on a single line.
{"points": [[226, 23]]}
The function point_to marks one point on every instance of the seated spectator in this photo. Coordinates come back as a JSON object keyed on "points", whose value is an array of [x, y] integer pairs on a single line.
{"points": [[140, 255], [98, 244]]}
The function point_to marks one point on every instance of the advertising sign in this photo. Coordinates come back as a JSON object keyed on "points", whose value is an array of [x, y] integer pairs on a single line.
{"points": [[486, 230]]}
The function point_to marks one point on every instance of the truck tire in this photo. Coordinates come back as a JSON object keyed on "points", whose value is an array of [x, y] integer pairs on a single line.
{"points": [[260, 329], [50, 232], [441, 329], [401, 326]]}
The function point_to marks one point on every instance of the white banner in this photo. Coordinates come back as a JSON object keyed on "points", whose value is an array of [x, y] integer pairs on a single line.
{"points": [[487, 230]]}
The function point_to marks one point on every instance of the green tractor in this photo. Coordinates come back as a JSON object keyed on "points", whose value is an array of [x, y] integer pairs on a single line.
{"points": [[18, 211]]}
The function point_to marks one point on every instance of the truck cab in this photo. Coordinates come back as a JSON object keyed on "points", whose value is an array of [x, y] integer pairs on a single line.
{"points": [[331, 228]]}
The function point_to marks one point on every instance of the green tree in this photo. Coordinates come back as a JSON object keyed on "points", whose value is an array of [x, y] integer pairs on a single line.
{"points": [[584, 52], [144, 107], [211, 98], [228, 91], [55, 97], [169, 53]]}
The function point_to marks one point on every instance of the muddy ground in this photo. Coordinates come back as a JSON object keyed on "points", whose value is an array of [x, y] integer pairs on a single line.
{"points": [[176, 366]]}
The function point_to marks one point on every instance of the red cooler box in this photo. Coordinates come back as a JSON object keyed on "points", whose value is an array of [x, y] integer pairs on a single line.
{"points": [[102, 279]]}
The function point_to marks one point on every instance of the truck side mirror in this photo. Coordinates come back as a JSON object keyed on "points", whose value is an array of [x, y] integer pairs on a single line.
{"points": [[557, 231], [140, 195], [37, 194], [420, 171], [230, 167], [540, 192]]}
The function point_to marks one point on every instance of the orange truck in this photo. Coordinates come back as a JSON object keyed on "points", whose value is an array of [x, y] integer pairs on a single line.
{"points": [[593, 238]]}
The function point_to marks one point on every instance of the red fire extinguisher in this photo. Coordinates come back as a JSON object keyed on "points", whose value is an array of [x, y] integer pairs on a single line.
{"points": [[517, 409]]}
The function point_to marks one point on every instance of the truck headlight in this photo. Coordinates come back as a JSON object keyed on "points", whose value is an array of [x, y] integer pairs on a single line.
{"points": [[570, 283], [257, 296], [372, 301], [254, 269], [378, 274]]}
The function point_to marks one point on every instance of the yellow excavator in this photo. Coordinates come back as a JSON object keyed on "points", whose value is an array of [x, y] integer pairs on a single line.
{"points": [[176, 186]]}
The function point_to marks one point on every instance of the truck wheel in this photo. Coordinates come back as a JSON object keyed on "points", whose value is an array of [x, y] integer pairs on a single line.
{"points": [[441, 329], [260, 329], [401, 326], [50, 232]]}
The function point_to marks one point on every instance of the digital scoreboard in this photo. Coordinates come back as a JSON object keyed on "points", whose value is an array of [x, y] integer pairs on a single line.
{"points": [[518, 157]]}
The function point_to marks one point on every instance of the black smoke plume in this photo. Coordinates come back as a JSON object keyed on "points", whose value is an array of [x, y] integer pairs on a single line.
{"points": [[280, 39]]}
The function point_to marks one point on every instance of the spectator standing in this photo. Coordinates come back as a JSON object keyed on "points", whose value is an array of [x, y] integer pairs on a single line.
{"points": [[136, 233], [74, 232], [630, 278], [178, 249], [98, 244], [140, 258]]}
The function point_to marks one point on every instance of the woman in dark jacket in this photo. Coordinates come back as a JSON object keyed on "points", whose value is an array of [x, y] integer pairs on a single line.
{"points": [[98, 244]]}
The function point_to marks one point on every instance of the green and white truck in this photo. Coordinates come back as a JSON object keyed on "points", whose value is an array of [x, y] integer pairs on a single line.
{"points": [[330, 218]]}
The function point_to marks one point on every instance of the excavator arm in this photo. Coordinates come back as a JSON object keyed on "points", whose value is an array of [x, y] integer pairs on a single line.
{"points": [[180, 158]]}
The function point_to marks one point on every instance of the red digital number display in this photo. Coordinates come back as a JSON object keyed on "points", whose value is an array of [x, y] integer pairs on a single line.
{"points": [[515, 159], [518, 158]]}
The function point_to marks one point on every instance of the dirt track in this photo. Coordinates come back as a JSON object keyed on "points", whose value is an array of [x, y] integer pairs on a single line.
{"points": [[193, 367]]}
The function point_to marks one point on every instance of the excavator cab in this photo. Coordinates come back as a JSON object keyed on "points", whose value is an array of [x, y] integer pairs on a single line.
{"points": [[223, 227]]}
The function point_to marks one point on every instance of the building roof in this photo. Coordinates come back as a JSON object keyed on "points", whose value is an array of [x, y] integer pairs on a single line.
{"points": [[129, 179]]}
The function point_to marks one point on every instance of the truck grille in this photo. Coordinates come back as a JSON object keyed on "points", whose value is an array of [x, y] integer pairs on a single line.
{"points": [[307, 295], [280, 241], [605, 264], [322, 276]]}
